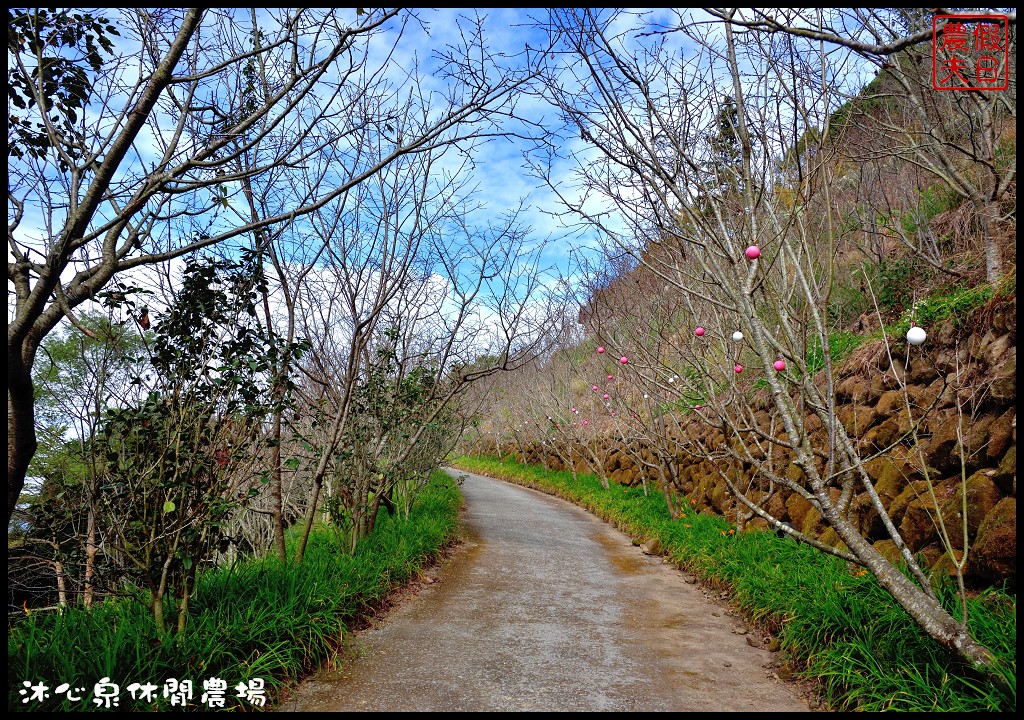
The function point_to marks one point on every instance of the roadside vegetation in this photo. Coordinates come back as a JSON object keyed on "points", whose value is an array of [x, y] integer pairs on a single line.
{"points": [[834, 625], [263, 344], [763, 224], [257, 619]]}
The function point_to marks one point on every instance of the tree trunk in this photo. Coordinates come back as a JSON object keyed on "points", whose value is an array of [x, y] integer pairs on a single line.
{"points": [[90, 554], [62, 583], [307, 525], [988, 220], [276, 497], [929, 614], [156, 606], [318, 481], [186, 593], [21, 426]]}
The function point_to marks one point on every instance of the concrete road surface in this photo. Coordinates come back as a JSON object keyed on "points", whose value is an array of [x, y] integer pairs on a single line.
{"points": [[548, 608]]}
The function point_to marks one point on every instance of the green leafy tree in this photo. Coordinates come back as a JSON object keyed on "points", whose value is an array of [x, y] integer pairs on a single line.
{"points": [[179, 463], [50, 49], [400, 430], [80, 373]]}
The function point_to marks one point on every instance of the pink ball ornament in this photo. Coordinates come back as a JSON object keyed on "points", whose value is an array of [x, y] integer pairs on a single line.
{"points": [[594, 388], [738, 368], [753, 252], [611, 377], [614, 414], [698, 406], [606, 396], [780, 364], [699, 332], [574, 409], [623, 359], [586, 422], [600, 350]]}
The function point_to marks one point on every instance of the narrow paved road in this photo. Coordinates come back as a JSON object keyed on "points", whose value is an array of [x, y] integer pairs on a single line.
{"points": [[549, 608]]}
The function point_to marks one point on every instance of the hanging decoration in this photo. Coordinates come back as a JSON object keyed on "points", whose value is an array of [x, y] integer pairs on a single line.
{"points": [[916, 335]]}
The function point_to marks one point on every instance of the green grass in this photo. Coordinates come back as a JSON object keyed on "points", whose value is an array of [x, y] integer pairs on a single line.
{"points": [[841, 345], [844, 631], [260, 619], [931, 311]]}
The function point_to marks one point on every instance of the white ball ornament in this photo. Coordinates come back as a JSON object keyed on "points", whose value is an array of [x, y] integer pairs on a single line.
{"points": [[737, 336], [916, 335]]}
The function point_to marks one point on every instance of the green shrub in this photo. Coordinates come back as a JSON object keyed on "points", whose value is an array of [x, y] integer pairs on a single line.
{"points": [[848, 301], [841, 345], [258, 619], [956, 305], [934, 201], [893, 282]]}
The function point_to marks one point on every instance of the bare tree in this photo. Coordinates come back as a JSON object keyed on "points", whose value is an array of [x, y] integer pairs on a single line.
{"points": [[684, 144], [138, 158], [407, 297]]}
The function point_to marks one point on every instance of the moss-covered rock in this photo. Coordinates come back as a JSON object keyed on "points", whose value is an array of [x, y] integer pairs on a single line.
{"points": [[1000, 435], [940, 449], [995, 549], [881, 437], [857, 419], [888, 550], [1006, 473], [981, 497], [1002, 388], [797, 508], [857, 389], [890, 403]]}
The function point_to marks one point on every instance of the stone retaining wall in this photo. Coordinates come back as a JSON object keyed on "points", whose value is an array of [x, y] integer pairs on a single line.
{"points": [[872, 407]]}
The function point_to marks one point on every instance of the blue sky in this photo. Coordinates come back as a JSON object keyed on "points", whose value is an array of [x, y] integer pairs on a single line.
{"points": [[499, 177]]}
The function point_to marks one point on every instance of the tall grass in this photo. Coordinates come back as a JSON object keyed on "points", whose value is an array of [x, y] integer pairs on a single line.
{"points": [[841, 629], [258, 619]]}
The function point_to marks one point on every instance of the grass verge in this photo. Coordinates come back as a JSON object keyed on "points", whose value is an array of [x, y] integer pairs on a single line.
{"points": [[256, 623], [838, 628]]}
